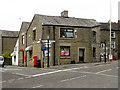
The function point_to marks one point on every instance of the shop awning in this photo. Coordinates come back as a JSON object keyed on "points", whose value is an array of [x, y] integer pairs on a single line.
{"points": [[29, 48]]}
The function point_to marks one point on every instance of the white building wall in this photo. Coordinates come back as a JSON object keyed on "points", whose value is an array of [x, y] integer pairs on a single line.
{"points": [[15, 53]]}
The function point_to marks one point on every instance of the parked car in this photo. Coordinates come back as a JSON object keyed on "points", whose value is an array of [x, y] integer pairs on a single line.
{"points": [[2, 61]]}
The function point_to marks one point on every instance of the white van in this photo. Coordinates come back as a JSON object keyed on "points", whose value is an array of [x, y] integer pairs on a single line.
{"points": [[2, 61]]}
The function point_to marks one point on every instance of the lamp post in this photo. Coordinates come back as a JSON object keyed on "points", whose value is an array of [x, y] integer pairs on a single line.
{"points": [[48, 47]]}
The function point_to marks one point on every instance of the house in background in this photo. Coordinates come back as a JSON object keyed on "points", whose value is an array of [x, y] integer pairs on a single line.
{"points": [[115, 40], [15, 54], [7, 42], [70, 40]]}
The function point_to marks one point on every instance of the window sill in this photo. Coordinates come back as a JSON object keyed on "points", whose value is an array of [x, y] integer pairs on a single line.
{"points": [[65, 57], [66, 38]]}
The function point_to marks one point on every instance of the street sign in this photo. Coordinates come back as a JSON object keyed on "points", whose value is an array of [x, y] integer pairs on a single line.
{"points": [[43, 47]]}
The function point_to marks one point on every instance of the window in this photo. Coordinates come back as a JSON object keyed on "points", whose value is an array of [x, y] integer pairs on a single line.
{"points": [[112, 34], [94, 52], [34, 34], [103, 45], [30, 54], [113, 45], [14, 58], [66, 33], [65, 50], [23, 41], [94, 36]]}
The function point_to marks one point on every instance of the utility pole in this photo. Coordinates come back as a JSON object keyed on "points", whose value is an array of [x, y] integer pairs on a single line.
{"points": [[110, 31]]}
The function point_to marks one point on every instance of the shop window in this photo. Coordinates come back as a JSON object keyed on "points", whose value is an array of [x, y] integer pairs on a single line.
{"points": [[112, 34], [94, 52], [23, 39], [30, 54], [34, 34], [65, 50], [66, 33]]}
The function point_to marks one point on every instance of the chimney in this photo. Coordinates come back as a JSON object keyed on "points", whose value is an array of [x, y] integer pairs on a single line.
{"points": [[64, 13]]}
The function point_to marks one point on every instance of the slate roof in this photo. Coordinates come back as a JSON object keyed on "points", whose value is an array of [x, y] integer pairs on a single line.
{"points": [[106, 26], [25, 26], [6, 33], [68, 21]]}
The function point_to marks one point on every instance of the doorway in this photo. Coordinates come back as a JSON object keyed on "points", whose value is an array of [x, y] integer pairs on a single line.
{"points": [[81, 54]]}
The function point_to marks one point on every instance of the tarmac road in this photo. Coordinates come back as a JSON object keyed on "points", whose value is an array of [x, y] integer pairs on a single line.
{"points": [[79, 76]]}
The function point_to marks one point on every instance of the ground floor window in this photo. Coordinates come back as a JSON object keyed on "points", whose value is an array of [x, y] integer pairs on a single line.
{"points": [[94, 52], [14, 58], [30, 54], [65, 50]]}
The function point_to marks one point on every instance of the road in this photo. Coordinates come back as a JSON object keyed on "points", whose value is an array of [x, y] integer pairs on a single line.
{"points": [[85, 76]]}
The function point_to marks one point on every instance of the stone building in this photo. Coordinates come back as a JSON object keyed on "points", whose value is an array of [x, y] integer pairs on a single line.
{"points": [[115, 41], [7, 40], [71, 40], [22, 42]]}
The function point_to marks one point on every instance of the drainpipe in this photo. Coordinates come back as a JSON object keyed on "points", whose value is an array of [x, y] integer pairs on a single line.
{"points": [[54, 45], [26, 51]]}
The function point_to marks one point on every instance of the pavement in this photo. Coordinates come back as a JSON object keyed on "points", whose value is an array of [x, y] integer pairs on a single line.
{"points": [[67, 66]]}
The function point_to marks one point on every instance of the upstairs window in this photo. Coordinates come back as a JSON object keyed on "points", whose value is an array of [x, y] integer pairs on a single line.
{"points": [[65, 50], [66, 33], [94, 36], [34, 34], [103, 45], [113, 45], [23, 39], [112, 34]]}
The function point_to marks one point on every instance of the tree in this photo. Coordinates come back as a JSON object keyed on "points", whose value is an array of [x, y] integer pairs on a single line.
{"points": [[6, 55]]}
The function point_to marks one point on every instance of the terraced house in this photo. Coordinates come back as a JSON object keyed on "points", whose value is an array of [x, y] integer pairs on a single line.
{"points": [[105, 39], [64, 39]]}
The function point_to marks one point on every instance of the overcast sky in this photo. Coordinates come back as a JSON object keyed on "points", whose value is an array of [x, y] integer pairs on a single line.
{"points": [[13, 12]]}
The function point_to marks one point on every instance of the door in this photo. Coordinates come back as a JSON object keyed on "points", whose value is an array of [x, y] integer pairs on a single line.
{"points": [[81, 55]]}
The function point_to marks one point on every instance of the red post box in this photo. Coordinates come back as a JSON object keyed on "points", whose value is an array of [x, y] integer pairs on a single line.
{"points": [[35, 61]]}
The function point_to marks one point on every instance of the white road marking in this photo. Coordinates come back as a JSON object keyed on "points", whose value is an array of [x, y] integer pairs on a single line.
{"points": [[10, 81], [103, 71], [56, 71], [37, 86], [108, 75], [95, 73], [28, 77], [3, 81], [21, 74], [20, 78], [72, 78]]}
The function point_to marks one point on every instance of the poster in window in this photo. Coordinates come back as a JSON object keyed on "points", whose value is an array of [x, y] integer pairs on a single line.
{"points": [[66, 52], [62, 53]]}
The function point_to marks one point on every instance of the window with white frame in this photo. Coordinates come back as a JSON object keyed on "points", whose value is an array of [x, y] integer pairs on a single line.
{"points": [[112, 34], [113, 45], [66, 33], [103, 45]]}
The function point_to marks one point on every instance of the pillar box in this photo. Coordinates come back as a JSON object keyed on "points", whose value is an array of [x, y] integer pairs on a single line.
{"points": [[35, 61], [110, 57]]}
